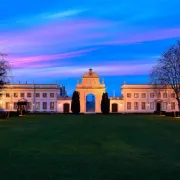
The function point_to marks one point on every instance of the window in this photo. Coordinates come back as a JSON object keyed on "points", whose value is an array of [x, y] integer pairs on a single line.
{"points": [[164, 95], [44, 105], [28, 95], [44, 95], [172, 95], [15, 105], [37, 105], [51, 95], [29, 105], [151, 95], [51, 105], [173, 105], [143, 95], [136, 95], [158, 95], [128, 95], [143, 106], [15, 95], [151, 105], [7, 95], [37, 95], [8, 105], [165, 105], [135, 105], [129, 105], [22, 95]]}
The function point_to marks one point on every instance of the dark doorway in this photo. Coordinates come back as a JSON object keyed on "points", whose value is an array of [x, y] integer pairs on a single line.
{"points": [[21, 107], [158, 106], [114, 108], [90, 103], [66, 108]]}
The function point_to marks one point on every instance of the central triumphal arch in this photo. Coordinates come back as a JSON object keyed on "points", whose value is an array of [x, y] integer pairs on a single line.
{"points": [[90, 85]]}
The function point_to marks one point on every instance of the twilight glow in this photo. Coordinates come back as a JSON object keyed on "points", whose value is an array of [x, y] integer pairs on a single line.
{"points": [[57, 41]]}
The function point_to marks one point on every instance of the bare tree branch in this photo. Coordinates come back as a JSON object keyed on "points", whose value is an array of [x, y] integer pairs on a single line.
{"points": [[4, 71], [167, 71]]}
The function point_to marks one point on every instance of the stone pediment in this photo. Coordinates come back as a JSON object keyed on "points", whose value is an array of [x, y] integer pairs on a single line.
{"points": [[90, 80]]}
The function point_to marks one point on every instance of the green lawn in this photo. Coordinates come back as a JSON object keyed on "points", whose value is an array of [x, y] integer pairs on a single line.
{"points": [[84, 147]]}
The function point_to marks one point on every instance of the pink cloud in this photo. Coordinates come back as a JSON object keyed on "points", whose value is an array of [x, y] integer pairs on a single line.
{"points": [[26, 61]]}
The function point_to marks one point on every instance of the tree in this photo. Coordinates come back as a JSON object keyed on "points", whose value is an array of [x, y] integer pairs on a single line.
{"points": [[105, 104], [4, 70], [75, 103], [166, 74]]}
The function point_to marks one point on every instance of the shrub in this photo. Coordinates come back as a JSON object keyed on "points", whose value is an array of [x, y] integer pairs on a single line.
{"points": [[105, 104], [75, 103]]}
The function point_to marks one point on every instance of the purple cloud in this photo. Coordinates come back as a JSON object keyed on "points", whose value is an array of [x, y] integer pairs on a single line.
{"points": [[29, 61]]}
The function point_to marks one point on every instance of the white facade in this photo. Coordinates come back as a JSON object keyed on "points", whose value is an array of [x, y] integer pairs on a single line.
{"points": [[39, 97], [144, 98], [45, 97]]}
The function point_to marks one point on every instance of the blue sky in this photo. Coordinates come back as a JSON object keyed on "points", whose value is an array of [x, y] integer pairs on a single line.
{"points": [[49, 41]]}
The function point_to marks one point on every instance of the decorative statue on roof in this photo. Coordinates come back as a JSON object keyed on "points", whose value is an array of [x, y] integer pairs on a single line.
{"points": [[90, 71]]}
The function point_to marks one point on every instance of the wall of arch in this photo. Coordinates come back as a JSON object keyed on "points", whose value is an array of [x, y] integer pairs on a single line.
{"points": [[98, 95]]}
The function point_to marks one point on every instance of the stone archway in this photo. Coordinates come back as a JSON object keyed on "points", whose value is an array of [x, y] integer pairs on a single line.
{"points": [[90, 103], [90, 85]]}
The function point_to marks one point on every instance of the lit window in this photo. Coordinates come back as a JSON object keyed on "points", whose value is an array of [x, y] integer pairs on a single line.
{"points": [[51, 105], [37, 105], [165, 105], [151, 95], [164, 95], [135, 105], [173, 105], [128, 95], [143, 105], [151, 105], [29, 105], [51, 95], [136, 95], [44, 105], [7, 105], [143, 95]]}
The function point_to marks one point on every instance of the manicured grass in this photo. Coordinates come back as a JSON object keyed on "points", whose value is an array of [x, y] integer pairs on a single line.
{"points": [[84, 147]]}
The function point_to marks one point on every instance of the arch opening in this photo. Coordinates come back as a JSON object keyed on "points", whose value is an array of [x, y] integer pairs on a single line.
{"points": [[90, 103]]}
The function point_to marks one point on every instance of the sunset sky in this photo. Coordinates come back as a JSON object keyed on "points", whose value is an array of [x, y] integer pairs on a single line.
{"points": [[59, 40]]}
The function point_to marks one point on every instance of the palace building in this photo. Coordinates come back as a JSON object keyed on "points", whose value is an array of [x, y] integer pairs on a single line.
{"points": [[53, 98]]}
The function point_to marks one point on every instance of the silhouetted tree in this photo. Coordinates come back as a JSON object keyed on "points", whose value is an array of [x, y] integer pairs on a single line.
{"points": [[75, 103], [105, 104], [166, 74], [4, 70]]}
